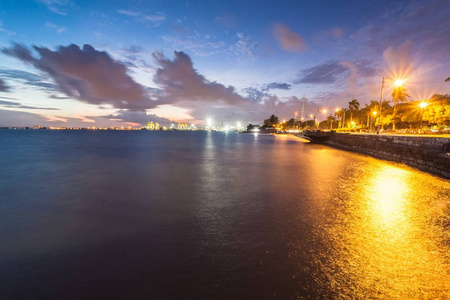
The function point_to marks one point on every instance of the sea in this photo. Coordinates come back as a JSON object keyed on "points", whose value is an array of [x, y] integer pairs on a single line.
{"points": [[214, 215]]}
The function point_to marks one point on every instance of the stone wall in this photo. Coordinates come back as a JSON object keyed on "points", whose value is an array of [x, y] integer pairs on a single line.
{"points": [[430, 154]]}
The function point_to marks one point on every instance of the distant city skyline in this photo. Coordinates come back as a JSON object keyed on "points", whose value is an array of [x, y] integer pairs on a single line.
{"points": [[115, 63]]}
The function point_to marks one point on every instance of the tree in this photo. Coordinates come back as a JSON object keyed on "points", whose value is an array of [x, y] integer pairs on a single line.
{"points": [[331, 119], [398, 95], [438, 110], [409, 113], [273, 120], [353, 106]]}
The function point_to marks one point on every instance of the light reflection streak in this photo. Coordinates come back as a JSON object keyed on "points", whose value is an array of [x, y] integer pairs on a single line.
{"points": [[388, 202], [388, 248], [382, 238]]}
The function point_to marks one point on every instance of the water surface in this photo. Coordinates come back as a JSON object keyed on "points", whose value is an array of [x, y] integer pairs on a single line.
{"points": [[204, 215]]}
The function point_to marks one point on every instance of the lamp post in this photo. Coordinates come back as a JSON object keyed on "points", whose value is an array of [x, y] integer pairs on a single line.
{"points": [[374, 118], [381, 104]]}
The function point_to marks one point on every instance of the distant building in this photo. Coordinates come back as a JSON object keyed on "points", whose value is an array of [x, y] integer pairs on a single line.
{"points": [[152, 126], [183, 126]]}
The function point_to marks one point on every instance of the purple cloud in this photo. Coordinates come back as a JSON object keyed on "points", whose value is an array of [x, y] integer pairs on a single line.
{"points": [[288, 40], [181, 82], [276, 86], [328, 72], [87, 74], [137, 117], [334, 71]]}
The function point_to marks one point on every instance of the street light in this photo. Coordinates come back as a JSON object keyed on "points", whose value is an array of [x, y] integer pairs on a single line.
{"points": [[374, 117], [423, 104], [209, 123], [399, 82]]}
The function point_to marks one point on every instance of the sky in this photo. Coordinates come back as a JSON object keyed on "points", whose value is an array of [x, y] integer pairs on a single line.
{"points": [[126, 63]]}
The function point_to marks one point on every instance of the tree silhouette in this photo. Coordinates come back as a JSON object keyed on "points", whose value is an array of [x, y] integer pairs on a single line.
{"points": [[353, 106]]}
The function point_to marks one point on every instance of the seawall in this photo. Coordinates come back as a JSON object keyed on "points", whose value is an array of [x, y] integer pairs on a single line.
{"points": [[429, 154]]}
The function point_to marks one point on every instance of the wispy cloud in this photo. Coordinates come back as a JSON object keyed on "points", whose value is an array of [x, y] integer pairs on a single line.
{"points": [[128, 13], [245, 46], [55, 27], [8, 32], [195, 43], [11, 104], [156, 19], [28, 78], [59, 7]]}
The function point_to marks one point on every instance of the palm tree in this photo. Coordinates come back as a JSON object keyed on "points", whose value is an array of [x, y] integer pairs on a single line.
{"points": [[331, 119], [398, 95], [353, 106]]}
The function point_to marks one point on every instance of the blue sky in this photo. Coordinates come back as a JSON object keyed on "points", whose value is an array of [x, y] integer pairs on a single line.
{"points": [[227, 60]]}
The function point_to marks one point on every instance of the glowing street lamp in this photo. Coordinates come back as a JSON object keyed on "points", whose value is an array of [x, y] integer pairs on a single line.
{"points": [[399, 82], [423, 105]]}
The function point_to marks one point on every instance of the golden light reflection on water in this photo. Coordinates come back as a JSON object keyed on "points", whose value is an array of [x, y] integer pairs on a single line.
{"points": [[386, 241], [387, 195]]}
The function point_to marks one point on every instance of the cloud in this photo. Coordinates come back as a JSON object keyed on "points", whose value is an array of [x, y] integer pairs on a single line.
{"points": [[399, 59], [10, 104], [227, 20], [128, 13], [195, 43], [425, 24], [180, 81], [55, 27], [336, 71], [139, 117], [87, 74], [3, 86], [252, 112], [21, 118], [288, 40], [2, 29], [336, 32], [27, 78], [255, 94], [155, 19], [133, 49], [244, 46], [57, 6], [276, 86], [325, 73]]}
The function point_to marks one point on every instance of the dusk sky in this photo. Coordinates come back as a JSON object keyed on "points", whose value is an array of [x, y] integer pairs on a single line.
{"points": [[125, 63]]}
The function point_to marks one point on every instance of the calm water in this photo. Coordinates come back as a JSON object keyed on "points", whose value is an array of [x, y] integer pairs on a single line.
{"points": [[171, 215]]}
